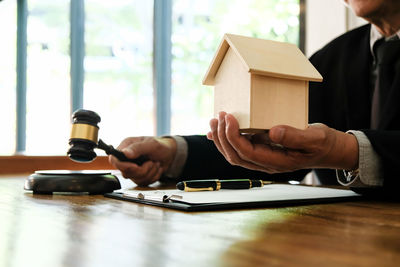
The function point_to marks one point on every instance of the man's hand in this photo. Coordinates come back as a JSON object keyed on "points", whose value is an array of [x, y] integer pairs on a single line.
{"points": [[284, 148], [159, 151]]}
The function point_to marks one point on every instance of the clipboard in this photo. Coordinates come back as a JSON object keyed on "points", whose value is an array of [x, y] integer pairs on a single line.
{"points": [[272, 195]]}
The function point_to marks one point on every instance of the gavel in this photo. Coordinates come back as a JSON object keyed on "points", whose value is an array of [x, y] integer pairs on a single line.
{"points": [[84, 139]]}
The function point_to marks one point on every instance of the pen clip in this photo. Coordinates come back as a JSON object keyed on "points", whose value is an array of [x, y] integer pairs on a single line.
{"points": [[168, 198], [191, 189]]}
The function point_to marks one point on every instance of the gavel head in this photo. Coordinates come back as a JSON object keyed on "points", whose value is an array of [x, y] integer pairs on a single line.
{"points": [[84, 135]]}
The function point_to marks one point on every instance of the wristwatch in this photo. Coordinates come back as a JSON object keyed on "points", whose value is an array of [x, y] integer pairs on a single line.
{"points": [[351, 175]]}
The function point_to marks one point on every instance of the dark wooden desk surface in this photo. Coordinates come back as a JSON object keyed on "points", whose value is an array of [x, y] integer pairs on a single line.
{"points": [[62, 230]]}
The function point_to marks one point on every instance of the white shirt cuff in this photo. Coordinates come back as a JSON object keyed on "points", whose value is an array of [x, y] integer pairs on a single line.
{"points": [[179, 161], [370, 173]]}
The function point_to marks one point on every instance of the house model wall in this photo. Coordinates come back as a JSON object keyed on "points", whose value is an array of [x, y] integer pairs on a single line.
{"points": [[262, 83]]}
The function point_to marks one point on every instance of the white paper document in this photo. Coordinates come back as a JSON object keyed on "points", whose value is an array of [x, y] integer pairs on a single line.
{"points": [[272, 192]]}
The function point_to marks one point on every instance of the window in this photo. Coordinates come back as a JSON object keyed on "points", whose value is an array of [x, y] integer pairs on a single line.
{"points": [[8, 17], [198, 27], [118, 65], [48, 79]]}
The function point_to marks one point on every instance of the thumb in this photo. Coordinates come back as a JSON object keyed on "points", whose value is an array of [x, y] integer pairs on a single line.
{"points": [[154, 148], [140, 148], [288, 136], [128, 152]]}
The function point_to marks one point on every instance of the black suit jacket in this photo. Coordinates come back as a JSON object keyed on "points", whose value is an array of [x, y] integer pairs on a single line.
{"points": [[342, 101]]}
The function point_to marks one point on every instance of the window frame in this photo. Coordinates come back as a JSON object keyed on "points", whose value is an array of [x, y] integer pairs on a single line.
{"points": [[18, 164], [161, 63]]}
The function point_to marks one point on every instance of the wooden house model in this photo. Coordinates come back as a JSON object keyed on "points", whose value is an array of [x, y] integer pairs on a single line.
{"points": [[262, 83]]}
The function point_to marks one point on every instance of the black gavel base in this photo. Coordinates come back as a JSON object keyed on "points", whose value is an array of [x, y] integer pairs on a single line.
{"points": [[88, 181]]}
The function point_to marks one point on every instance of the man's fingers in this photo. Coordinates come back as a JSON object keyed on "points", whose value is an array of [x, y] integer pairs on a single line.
{"points": [[217, 134], [210, 136], [258, 156], [158, 152], [260, 138], [214, 133], [131, 170], [157, 176], [293, 138], [128, 141], [153, 169], [135, 150], [121, 165], [230, 153], [240, 156], [147, 177], [239, 143]]}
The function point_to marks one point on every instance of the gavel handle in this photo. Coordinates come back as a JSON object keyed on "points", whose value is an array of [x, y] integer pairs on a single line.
{"points": [[110, 150]]}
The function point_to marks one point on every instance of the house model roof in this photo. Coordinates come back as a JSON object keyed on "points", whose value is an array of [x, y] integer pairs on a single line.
{"points": [[264, 57]]}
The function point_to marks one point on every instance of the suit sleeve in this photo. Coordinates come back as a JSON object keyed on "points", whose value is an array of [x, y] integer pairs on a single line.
{"points": [[343, 101], [204, 161], [387, 146]]}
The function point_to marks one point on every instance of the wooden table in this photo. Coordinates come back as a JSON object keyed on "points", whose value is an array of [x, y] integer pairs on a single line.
{"points": [[83, 230]]}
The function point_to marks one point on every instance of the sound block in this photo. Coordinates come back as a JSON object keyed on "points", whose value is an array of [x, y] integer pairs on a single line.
{"points": [[88, 181]]}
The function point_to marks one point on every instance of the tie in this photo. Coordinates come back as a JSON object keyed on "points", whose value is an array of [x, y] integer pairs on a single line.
{"points": [[387, 54]]}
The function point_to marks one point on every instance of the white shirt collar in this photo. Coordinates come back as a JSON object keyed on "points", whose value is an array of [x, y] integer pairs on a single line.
{"points": [[375, 35]]}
